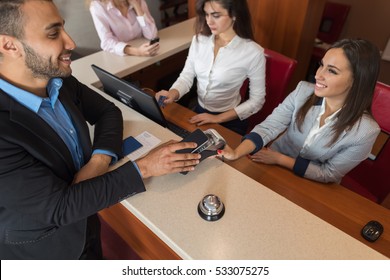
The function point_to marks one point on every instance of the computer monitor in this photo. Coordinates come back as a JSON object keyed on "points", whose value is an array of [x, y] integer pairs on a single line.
{"points": [[131, 95]]}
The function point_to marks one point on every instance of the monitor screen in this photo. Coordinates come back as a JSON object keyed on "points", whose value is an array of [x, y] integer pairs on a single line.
{"points": [[131, 95]]}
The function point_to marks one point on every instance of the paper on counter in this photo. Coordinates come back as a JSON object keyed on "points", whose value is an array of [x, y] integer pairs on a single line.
{"points": [[149, 141]]}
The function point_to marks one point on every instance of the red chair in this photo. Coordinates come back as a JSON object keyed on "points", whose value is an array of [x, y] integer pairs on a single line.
{"points": [[279, 69], [332, 22], [331, 26], [371, 177]]}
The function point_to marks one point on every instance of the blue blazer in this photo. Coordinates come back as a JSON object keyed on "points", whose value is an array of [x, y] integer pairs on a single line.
{"points": [[319, 162], [42, 215]]}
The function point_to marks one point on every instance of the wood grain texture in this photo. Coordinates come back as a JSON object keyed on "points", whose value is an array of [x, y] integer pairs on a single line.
{"points": [[140, 238]]}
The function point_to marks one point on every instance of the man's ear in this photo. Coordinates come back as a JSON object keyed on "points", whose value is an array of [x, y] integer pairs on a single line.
{"points": [[9, 46]]}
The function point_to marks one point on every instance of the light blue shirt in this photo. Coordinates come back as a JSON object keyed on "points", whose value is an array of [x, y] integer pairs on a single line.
{"points": [[54, 113]]}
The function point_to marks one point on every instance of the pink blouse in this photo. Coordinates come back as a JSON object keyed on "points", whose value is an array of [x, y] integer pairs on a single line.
{"points": [[115, 30]]}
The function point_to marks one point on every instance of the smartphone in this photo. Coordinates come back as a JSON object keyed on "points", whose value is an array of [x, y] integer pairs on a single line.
{"points": [[154, 41]]}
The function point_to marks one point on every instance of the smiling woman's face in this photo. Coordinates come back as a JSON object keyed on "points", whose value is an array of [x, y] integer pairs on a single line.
{"points": [[334, 76]]}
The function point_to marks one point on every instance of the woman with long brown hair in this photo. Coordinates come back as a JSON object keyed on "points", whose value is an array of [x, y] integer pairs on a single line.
{"points": [[323, 130], [222, 55]]}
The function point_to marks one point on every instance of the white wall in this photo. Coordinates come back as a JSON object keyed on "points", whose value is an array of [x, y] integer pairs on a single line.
{"points": [[79, 24]]}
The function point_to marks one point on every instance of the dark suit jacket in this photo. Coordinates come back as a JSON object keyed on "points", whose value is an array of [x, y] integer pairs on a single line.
{"points": [[43, 216]]}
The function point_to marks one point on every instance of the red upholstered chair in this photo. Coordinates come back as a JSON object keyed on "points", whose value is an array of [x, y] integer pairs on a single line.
{"points": [[371, 177], [332, 22], [331, 26], [279, 69]]}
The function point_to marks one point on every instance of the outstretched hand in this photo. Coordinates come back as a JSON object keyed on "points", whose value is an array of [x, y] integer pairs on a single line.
{"points": [[170, 96], [164, 160]]}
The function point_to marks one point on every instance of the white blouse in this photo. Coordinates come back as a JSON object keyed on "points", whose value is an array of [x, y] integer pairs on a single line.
{"points": [[219, 80], [115, 30], [315, 131]]}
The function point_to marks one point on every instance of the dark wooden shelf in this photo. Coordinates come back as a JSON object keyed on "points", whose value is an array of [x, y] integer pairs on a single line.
{"points": [[174, 19], [171, 4], [170, 10]]}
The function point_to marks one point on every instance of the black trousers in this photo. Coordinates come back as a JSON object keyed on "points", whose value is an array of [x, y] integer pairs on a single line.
{"points": [[93, 245], [237, 125]]}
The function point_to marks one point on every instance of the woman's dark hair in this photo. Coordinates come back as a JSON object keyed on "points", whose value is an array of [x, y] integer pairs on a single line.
{"points": [[364, 62], [237, 9]]}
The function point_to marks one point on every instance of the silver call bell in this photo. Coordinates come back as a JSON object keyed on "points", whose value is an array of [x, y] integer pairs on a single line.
{"points": [[211, 208]]}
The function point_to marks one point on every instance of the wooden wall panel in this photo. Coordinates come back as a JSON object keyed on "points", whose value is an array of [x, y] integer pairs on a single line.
{"points": [[136, 234], [191, 8], [288, 27]]}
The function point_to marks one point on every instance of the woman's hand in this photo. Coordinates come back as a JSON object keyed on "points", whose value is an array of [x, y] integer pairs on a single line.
{"points": [[204, 118], [137, 6], [227, 153], [171, 95], [267, 156], [148, 50], [245, 147]]}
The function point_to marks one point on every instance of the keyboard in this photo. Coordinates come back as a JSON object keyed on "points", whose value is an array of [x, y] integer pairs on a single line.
{"points": [[177, 129]]}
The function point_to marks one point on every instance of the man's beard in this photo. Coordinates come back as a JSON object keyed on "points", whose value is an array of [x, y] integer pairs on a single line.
{"points": [[42, 68]]}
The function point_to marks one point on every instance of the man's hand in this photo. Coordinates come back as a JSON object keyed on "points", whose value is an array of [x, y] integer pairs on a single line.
{"points": [[164, 160], [96, 166]]}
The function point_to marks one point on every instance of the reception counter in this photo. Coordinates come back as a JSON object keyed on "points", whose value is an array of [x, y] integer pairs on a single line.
{"points": [[270, 212]]}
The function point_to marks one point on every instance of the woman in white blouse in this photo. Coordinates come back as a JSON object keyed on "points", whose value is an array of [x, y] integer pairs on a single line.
{"points": [[119, 21], [222, 55], [323, 130]]}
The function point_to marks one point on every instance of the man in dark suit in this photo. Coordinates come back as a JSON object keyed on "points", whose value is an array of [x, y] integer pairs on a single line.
{"points": [[53, 180]]}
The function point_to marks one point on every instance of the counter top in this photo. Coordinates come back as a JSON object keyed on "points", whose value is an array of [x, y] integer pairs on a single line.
{"points": [[173, 39]]}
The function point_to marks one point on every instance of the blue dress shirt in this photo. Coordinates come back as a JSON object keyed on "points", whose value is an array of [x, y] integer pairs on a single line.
{"points": [[53, 112]]}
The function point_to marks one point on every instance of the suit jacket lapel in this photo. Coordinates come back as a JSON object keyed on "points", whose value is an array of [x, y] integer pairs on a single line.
{"points": [[38, 138]]}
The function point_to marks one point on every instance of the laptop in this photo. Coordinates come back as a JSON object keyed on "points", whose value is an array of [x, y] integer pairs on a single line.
{"points": [[134, 97]]}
